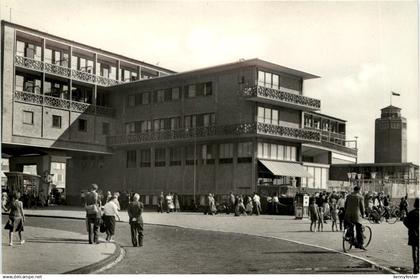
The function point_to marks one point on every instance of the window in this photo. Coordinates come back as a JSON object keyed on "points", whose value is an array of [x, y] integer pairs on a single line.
{"points": [[268, 80], [226, 153], [176, 94], [175, 123], [131, 100], [245, 152], [145, 126], [190, 121], [56, 121], [175, 156], [159, 96], [145, 157], [145, 98], [191, 91], [189, 155], [20, 48], [28, 117], [268, 116], [83, 125], [131, 158], [208, 89], [207, 154], [160, 157], [105, 128], [130, 128]]}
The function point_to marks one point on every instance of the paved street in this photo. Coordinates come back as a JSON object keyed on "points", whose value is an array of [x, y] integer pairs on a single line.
{"points": [[179, 250], [388, 247]]}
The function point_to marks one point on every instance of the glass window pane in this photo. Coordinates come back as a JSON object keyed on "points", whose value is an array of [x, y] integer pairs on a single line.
{"points": [[293, 153], [265, 150], [267, 80], [74, 62], [275, 81], [273, 151], [260, 150], [280, 152], [261, 114], [261, 78], [19, 83], [275, 117], [191, 91], [20, 48], [267, 116], [287, 149]]}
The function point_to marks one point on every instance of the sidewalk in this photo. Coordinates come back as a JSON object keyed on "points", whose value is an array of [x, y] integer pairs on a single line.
{"points": [[48, 251], [388, 248]]}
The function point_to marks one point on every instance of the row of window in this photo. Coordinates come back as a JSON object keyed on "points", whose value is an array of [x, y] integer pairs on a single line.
{"points": [[61, 58], [277, 151], [283, 83], [324, 125], [319, 179], [172, 123], [169, 94], [205, 154], [82, 124]]}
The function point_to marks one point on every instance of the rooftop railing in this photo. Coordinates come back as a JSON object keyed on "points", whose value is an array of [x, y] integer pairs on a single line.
{"points": [[214, 131], [281, 96], [49, 101], [54, 69]]}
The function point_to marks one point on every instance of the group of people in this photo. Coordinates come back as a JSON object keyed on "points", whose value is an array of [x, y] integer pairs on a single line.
{"points": [[104, 217], [236, 204], [323, 206], [168, 202]]}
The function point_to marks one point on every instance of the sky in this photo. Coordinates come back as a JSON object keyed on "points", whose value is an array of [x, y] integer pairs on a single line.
{"points": [[362, 50]]}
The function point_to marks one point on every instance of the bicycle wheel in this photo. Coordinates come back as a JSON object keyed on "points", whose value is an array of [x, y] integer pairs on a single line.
{"points": [[367, 233], [392, 217], [347, 242]]}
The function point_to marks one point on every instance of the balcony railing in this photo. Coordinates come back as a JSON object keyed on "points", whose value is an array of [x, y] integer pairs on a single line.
{"points": [[49, 101], [284, 97], [212, 131], [32, 64]]}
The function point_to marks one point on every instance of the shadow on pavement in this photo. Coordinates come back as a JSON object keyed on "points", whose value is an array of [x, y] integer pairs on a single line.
{"points": [[300, 252]]}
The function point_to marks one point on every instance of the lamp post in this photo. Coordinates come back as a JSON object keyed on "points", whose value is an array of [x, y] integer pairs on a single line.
{"points": [[195, 165], [373, 176]]}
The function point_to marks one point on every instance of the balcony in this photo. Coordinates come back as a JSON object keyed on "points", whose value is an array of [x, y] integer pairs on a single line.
{"points": [[49, 101], [338, 147], [61, 71], [277, 97], [243, 129]]}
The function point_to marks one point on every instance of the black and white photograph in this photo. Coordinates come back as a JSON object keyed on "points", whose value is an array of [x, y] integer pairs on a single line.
{"points": [[209, 138]]}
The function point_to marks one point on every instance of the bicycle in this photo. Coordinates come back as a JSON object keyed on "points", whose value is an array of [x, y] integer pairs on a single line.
{"points": [[379, 215], [349, 242]]}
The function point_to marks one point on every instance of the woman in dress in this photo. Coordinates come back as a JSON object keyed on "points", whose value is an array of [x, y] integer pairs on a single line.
{"points": [[170, 203], [16, 218], [212, 205], [249, 207], [176, 202], [110, 212]]}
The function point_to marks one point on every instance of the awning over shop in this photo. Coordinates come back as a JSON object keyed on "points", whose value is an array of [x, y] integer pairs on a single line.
{"points": [[285, 169]]}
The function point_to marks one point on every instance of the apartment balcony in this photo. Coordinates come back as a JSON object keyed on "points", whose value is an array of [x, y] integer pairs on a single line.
{"points": [[61, 71], [281, 98], [49, 101], [214, 132]]}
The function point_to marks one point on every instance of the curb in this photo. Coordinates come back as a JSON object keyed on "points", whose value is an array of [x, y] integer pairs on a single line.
{"points": [[98, 265]]}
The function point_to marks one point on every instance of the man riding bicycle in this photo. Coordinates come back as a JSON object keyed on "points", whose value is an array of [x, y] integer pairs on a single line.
{"points": [[353, 213]]}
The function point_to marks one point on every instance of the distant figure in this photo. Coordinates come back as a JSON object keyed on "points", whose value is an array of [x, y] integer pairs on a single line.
{"points": [[353, 214], [176, 203], [334, 215], [232, 201], [313, 214], [321, 219], [257, 202], [108, 196], [249, 207], [135, 210], [160, 202], [403, 207], [275, 203], [340, 205], [239, 207], [16, 218], [117, 202], [4, 201], [412, 223], [169, 203], [212, 204], [93, 213], [110, 212]]}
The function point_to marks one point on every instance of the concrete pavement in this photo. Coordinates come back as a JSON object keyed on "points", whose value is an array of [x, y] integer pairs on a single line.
{"points": [[50, 251], [388, 248]]}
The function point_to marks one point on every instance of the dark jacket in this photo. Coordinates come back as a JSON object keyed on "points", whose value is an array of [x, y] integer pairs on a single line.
{"points": [[354, 208], [135, 209], [412, 223]]}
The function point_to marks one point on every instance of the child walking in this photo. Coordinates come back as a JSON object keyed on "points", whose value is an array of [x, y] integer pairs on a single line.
{"points": [[313, 213]]}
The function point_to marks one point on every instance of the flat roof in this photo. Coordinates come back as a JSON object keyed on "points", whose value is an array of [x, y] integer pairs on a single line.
{"points": [[376, 165], [42, 33], [228, 66]]}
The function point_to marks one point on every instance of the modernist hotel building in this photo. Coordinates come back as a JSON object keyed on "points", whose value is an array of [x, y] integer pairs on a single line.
{"points": [[103, 118]]}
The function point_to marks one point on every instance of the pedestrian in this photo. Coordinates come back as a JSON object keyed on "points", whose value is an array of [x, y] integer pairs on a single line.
{"points": [[257, 202], [16, 218], [313, 213], [354, 210], [275, 202], [110, 212], [160, 202], [412, 223], [117, 202], [249, 207], [321, 219], [403, 207], [4, 202], [169, 203], [108, 196], [340, 205], [176, 203], [135, 210], [232, 202], [269, 208], [93, 214], [326, 208], [334, 215], [239, 208]]}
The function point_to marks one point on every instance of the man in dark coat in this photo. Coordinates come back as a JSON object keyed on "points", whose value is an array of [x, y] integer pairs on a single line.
{"points": [[412, 223], [354, 209], [135, 209], [93, 213]]}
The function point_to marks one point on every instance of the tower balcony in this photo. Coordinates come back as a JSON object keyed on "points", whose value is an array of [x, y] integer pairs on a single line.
{"points": [[276, 97], [61, 71], [49, 101], [216, 132]]}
